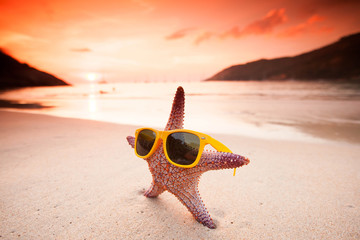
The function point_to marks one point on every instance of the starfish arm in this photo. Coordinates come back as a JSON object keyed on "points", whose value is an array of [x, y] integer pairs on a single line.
{"points": [[176, 118], [192, 200], [131, 141], [154, 190], [221, 160]]}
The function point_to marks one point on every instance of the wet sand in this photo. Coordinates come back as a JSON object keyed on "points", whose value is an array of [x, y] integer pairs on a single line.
{"points": [[76, 179]]}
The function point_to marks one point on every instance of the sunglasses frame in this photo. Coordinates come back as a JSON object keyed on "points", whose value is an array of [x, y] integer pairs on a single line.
{"points": [[204, 140]]}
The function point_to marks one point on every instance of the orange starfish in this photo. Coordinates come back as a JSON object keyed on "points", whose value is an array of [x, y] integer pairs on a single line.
{"points": [[183, 182]]}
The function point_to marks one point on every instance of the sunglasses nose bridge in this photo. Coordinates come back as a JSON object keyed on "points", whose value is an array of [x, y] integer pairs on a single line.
{"points": [[161, 135]]}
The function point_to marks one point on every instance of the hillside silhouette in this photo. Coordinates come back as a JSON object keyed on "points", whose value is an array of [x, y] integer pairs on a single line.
{"points": [[337, 61], [14, 74]]}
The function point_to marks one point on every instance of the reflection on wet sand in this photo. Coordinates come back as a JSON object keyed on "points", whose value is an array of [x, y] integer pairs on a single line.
{"points": [[21, 105]]}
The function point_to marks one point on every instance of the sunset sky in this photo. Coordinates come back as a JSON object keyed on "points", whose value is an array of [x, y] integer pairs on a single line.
{"points": [[138, 40]]}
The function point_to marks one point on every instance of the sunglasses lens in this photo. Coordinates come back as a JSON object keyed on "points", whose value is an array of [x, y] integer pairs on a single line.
{"points": [[145, 141], [182, 147]]}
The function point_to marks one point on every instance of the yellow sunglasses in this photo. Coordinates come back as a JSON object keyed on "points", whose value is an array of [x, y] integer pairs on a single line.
{"points": [[182, 148]]}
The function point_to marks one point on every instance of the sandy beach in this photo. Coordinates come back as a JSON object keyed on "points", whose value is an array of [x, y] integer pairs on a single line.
{"points": [[63, 178]]}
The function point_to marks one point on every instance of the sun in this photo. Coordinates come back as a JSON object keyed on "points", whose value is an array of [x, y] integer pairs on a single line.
{"points": [[92, 76]]}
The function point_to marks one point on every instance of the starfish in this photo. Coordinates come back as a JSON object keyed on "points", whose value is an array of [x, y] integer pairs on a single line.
{"points": [[183, 182]]}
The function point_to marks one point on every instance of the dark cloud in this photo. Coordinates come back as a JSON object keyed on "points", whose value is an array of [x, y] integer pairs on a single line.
{"points": [[311, 7], [333, 3]]}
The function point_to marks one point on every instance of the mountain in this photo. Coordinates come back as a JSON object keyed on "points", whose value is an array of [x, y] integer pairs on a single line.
{"points": [[14, 74], [337, 61]]}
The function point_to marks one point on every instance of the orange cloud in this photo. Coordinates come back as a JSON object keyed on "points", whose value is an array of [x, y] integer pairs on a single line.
{"points": [[203, 37], [310, 25], [265, 25], [315, 18], [80, 50], [179, 34]]}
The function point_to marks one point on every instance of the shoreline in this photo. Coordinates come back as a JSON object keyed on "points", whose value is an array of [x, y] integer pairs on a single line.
{"points": [[310, 112], [64, 178], [344, 133]]}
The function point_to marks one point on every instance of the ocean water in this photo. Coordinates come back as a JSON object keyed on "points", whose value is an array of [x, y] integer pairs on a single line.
{"points": [[289, 110]]}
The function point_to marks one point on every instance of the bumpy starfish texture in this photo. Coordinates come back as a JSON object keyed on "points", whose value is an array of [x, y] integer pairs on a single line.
{"points": [[183, 182]]}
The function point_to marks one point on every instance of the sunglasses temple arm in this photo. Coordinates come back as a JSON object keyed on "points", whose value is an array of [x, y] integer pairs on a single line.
{"points": [[220, 147]]}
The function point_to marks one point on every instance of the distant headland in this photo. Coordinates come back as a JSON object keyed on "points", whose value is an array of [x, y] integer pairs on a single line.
{"points": [[337, 61], [14, 74]]}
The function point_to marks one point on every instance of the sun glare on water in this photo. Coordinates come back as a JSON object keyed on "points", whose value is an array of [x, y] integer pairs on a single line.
{"points": [[92, 76]]}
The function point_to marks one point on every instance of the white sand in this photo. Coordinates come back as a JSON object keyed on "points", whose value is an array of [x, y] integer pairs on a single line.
{"points": [[75, 179]]}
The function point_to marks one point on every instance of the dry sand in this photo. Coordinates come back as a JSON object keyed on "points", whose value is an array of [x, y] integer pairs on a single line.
{"points": [[76, 179]]}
